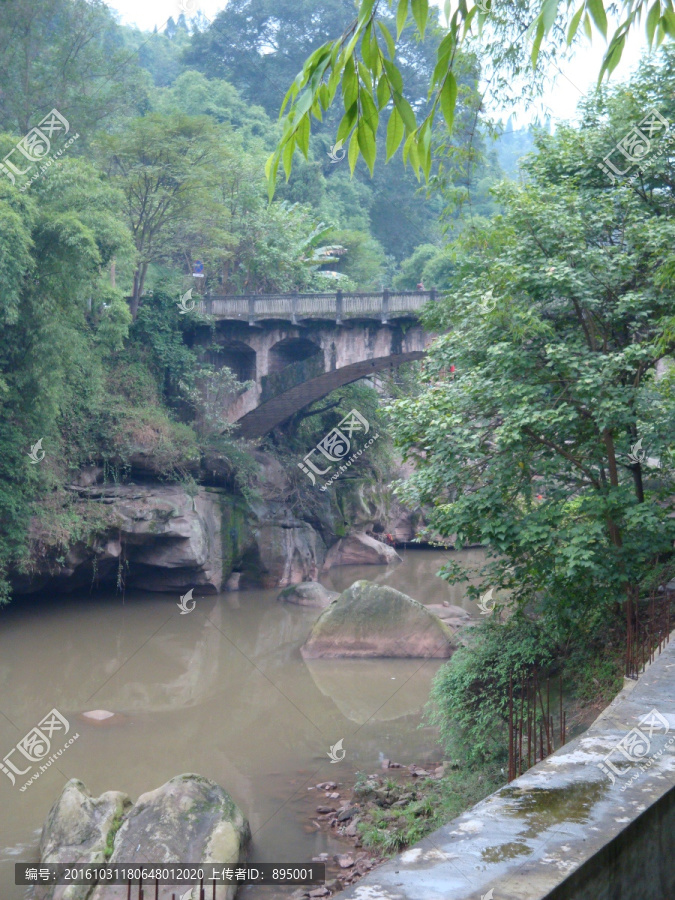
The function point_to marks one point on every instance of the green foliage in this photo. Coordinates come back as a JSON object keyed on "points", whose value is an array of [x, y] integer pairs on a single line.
{"points": [[559, 313], [470, 694], [157, 337], [64, 54], [361, 64]]}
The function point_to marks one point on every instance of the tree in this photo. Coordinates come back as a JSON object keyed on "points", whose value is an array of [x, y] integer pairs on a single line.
{"points": [[543, 392], [60, 320], [169, 168], [259, 46], [362, 62], [66, 54]]}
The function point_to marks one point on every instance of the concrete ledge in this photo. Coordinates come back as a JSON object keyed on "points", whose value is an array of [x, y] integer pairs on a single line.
{"points": [[589, 822]]}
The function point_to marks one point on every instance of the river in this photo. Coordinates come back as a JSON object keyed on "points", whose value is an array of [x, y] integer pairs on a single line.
{"points": [[223, 692]]}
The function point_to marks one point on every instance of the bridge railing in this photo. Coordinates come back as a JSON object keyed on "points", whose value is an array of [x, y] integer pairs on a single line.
{"points": [[384, 305]]}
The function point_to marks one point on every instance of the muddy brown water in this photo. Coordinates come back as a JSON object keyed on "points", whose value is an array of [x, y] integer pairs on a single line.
{"points": [[222, 691]]}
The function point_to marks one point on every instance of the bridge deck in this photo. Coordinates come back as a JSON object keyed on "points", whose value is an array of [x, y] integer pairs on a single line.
{"points": [[332, 307]]}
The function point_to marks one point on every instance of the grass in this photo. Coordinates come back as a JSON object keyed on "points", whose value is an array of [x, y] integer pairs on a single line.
{"points": [[436, 801], [110, 837]]}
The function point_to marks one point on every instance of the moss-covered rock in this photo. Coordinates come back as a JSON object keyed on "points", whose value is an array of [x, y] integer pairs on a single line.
{"points": [[369, 620], [78, 829]]}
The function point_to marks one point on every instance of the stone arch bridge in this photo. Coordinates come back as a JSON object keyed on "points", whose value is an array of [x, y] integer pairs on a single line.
{"points": [[297, 348]]}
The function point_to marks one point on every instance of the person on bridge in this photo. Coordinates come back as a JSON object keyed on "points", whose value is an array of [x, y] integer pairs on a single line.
{"points": [[420, 286]]}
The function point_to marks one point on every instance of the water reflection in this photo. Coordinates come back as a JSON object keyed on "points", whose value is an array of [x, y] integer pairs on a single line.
{"points": [[222, 691]]}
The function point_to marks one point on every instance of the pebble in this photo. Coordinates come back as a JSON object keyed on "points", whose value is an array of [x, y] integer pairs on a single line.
{"points": [[98, 715], [344, 861], [325, 809]]}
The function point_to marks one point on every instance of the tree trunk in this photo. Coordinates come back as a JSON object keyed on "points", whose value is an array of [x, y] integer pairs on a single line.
{"points": [[613, 528], [139, 281], [133, 306]]}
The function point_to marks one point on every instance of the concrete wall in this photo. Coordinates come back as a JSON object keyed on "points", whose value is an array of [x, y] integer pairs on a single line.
{"points": [[587, 823]]}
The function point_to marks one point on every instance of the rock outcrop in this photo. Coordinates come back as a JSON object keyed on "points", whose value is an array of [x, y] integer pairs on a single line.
{"points": [[369, 620], [188, 819], [360, 550], [157, 537], [308, 593]]}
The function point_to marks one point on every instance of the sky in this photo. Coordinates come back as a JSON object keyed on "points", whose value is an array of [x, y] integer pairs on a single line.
{"points": [[577, 76]]}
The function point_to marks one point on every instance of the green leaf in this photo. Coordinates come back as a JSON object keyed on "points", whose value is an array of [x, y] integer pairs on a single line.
{"points": [[353, 153], [410, 152], [536, 43], [652, 20], [401, 16], [304, 103], [394, 76], [350, 83], [369, 113], [365, 77], [574, 24], [287, 157], [420, 11], [366, 52], [448, 99], [588, 28], [389, 40], [406, 112], [302, 135], [613, 56], [291, 93], [365, 11], [668, 20], [383, 92], [347, 123], [395, 132], [549, 11], [440, 69], [424, 145], [271, 168], [324, 96], [597, 10], [367, 144]]}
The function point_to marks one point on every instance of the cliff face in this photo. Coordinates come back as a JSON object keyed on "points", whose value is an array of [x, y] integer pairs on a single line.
{"points": [[167, 537]]}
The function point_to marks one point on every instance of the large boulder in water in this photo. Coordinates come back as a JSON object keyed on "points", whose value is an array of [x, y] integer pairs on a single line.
{"points": [[188, 819], [308, 593], [76, 831], [360, 550], [370, 620]]}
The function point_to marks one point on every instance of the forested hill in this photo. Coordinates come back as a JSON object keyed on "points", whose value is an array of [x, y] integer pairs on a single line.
{"points": [[129, 159]]}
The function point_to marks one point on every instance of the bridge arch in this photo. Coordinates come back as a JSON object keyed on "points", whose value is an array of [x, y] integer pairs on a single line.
{"points": [[276, 410], [238, 356], [291, 350]]}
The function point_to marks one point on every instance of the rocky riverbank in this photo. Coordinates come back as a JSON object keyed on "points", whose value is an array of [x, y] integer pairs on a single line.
{"points": [[145, 533], [381, 813]]}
